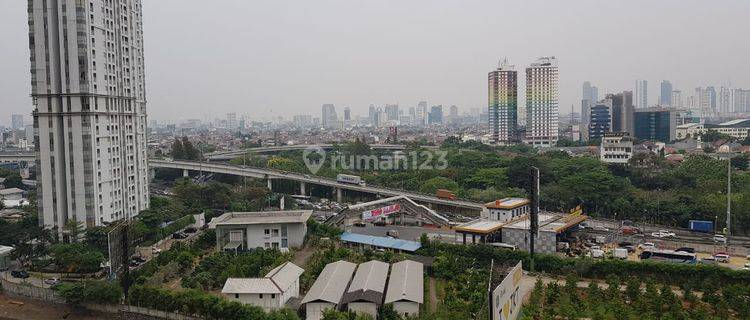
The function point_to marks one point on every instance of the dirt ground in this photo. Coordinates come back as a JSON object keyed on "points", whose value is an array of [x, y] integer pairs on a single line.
{"points": [[27, 309]]}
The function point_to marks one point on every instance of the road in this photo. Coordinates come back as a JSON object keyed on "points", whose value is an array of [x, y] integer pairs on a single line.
{"points": [[406, 232]]}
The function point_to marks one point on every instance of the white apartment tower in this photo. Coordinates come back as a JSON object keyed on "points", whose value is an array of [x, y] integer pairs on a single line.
{"points": [[542, 103], [87, 80], [641, 94], [502, 90]]}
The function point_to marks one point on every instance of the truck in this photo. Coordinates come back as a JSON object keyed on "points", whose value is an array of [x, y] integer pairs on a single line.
{"points": [[350, 179], [701, 226], [445, 194], [620, 253]]}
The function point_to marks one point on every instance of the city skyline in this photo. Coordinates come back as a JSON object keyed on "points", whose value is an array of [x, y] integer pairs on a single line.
{"points": [[404, 76]]}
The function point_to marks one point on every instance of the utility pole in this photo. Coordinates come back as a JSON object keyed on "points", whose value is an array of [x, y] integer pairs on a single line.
{"points": [[729, 201], [534, 217]]}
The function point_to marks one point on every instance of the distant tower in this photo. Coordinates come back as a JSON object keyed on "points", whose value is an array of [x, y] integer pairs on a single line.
{"points": [[665, 97], [641, 94], [503, 103], [542, 103]]}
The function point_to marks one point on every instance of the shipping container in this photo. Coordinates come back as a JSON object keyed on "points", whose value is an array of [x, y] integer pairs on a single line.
{"points": [[701, 226], [445, 194]]}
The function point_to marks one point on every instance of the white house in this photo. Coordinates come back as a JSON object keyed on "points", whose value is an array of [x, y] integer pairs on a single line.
{"points": [[282, 230], [505, 209], [328, 289], [406, 287], [271, 292]]}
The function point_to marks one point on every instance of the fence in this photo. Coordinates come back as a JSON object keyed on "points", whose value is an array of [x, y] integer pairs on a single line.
{"points": [[129, 311], [25, 289]]}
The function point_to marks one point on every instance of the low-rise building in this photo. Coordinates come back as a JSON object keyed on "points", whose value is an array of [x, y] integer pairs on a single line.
{"points": [[237, 231], [366, 291], [406, 287], [363, 241], [270, 292], [11, 194], [616, 147], [552, 229], [738, 128], [505, 209], [328, 289]]}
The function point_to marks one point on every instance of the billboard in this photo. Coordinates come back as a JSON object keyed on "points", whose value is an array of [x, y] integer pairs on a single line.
{"points": [[506, 300], [380, 212]]}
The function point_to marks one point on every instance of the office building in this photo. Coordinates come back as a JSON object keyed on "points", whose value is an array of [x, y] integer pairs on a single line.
{"points": [[641, 94], [677, 100], [87, 80], [503, 103], [740, 100], [347, 115], [626, 120], [241, 231], [328, 116], [725, 100], [616, 147], [589, 96], [17, 121], [665, 97], [542, 103], [421, 113], [601, 119], [655, 124], [391, 112], [436, 115]]}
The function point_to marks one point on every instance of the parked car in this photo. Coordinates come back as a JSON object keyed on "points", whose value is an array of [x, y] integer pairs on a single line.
{"points": [[52, 281], [21, 274], [597, 253], [620, 253], [722, 257], [720, 238], [647, 246], [379, 223], [708, 260], [663, 234], [139, 259], [392, 234], [686, 249], [360, 223]]}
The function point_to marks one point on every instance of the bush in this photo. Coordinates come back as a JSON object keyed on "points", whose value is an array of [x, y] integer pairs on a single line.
{"points": [[76, 257], [90, 291], [192, 303]]}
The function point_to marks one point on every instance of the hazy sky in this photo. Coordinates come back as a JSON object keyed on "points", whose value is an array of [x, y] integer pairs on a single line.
{"points": [[264, 58]]}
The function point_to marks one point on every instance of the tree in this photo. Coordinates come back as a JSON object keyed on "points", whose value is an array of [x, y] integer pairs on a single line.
{"points": [[741, 161], [73, 230], [431, 185], [178, 152], [191, 153], [13, 180]]}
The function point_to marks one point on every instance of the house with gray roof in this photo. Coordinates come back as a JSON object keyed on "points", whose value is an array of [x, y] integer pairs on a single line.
{"points": [[365, 293], [328, 290], [406, 287], [270, 292]]}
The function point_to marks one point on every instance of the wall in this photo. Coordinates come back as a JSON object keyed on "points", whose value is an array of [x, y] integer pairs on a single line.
{"points": [[29, 291], [406, 307], [267, 303], [546, 242], [314, 310], [364, 308]]}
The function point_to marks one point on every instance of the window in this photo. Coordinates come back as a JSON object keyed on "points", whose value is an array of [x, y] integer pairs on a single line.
{"points": [[273, 296], [267, 231], [261, 296], [236, 295], [275, 232]]}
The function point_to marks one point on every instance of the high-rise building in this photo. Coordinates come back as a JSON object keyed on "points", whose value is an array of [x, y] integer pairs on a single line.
{"points": [[87, 80], [626, 120], [656, 124], [17, 121], [665, 97], [705, 99], [641, 94], [676, 100], [711, 98], [741, 100], [371, 115], [601, 119], [347, 114], [391, 112], [616, 110], [725, 100], [589, 96], [421, 113], [503, 103], [232, 121], [542, 103], [328, 116], [436, 114]]}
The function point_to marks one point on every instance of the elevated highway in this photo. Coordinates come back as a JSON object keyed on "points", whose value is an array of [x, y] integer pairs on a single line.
{"points": [[228, 155], [304, 179]]}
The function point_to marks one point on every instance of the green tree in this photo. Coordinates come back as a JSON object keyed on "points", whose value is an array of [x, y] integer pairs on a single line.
{"points": [[178, 152], [73, 230], [431, 185]]}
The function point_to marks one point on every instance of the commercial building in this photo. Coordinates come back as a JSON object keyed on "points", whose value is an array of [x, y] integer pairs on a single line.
{"points": [[367, 289], [328, 289], [503, 103], [480, 231], [87, 80], [406, 288], [616, 147], [505, 209], [436, 115], [601, 119], [17, 121], [628, 110], [552, 229], [656, 123], [677, 99], [665, 98], [328, 116], [270, 292], [238, 231], [364, 242], [738, 128], [542, 103], [641, 94]]}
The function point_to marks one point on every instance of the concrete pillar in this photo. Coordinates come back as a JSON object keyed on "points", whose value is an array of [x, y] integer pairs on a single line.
{"points": [[473, 239], [270, 184], [302, 188], [151, 173], [185, 173], [463, 234], [338, 195]]}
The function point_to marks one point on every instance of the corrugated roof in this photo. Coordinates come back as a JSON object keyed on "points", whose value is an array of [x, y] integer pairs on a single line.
{"points": [[507, 203], [383, 242], [368, 283], [264, 217], [285, 275], [331, 283], [249, 285], [406, 283], [10, 191]]}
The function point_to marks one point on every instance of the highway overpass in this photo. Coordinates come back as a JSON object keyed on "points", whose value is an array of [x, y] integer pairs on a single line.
{"points": [[304, 179], [16, 157], [228, 155]]}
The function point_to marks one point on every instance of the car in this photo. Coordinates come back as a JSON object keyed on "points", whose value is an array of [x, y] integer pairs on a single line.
{"points": [[647, 246], [722, 257], [179, 235], [155, 250], [52, 281], [21, 274], [595, 248], [708, 260], [190, 230], [139, 259], [360, 223], [662, 234], [720, 238], [686, 249], [379, 223], [392, 234]]}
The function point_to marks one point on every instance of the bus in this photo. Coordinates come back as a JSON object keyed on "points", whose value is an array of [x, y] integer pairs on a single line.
{"points": [[669, 256]]}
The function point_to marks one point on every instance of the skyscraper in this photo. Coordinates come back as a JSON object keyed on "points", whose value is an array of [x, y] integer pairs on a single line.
{"points": [[665, 98], [641, 94], [87, 80], [542, 103], [626, 121], [347, 114], [421, 113], [17, 121], [436, 114], [725, 100], [616, 111], [503, 103], [601, 119], [328, 115], [677, 101], [391, 111]]}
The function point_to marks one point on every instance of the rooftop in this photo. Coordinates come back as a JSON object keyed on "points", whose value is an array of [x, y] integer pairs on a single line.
{"points": [[507, 203], [10, 191], [480, 226], [331, 283], [383, 242], [406, 283], [277, 280], [736, 123], [264, 217], [550, 222], [368, 283]]}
